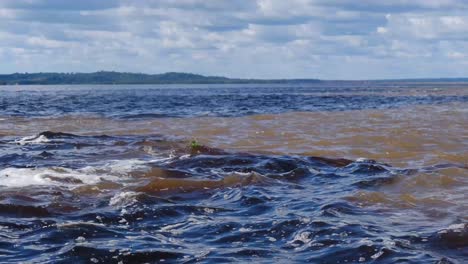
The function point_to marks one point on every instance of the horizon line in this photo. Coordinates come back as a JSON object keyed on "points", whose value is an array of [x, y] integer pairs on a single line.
{"points": [[463, 79]]}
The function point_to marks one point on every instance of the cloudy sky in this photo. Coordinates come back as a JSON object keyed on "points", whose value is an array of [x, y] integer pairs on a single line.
{"points": [[328, 39]]}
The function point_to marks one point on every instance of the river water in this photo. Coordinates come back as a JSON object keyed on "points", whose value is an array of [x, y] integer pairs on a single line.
{"points": [[321, 173]]}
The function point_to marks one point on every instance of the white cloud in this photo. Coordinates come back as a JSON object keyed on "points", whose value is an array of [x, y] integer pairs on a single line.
{"points": [[426, 26], [264, 38], [44, 42], [7, 13], [457, 55]]}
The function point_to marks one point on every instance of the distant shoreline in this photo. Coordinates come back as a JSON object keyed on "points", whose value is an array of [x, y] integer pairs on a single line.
{"points": [[125, 78], [106, 77]]}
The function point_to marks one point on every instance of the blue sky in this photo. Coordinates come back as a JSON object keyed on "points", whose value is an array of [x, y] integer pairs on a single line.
{"points": [[328, 39]]}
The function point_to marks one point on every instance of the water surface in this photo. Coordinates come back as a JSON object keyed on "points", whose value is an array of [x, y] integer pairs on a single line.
{"points": [[286, 173]]}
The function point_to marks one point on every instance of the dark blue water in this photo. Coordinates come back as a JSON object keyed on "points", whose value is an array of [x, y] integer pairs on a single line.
{"points": [[78, 197], [212, 100]]}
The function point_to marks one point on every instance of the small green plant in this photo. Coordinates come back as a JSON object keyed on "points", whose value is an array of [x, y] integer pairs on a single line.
{"points": [[194, 144], [196, 148]]}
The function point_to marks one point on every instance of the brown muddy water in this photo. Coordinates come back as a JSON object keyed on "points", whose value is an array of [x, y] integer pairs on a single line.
{"points": [[322, 174]]}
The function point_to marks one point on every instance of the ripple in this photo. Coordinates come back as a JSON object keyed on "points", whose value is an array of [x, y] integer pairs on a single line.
{"points": [[263, 175]]}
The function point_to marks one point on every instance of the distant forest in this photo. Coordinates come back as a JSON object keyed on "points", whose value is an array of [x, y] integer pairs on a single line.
{"points": [[109, 77]]}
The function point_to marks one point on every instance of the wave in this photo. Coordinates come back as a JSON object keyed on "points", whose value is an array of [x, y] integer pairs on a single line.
{"points": [[168, 195]]}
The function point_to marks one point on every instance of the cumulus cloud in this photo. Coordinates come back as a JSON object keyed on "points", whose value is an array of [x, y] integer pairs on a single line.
{"points": [[426, 27], [332, 39]]}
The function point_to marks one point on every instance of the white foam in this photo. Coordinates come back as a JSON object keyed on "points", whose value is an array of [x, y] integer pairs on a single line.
{"points": [[361, 159], [80, 239], [123, 167], [21, 177], [33, 140], [457, 226], [116, 171], [117, 167], [13, 177], [304, 237], [377, 255], [123, 199]]}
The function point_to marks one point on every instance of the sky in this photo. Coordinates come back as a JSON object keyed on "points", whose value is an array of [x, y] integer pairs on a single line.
{"points": [[326, 39]]}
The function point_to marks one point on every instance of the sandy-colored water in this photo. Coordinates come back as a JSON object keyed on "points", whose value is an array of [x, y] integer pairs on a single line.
{"points": [[409, 136]]}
